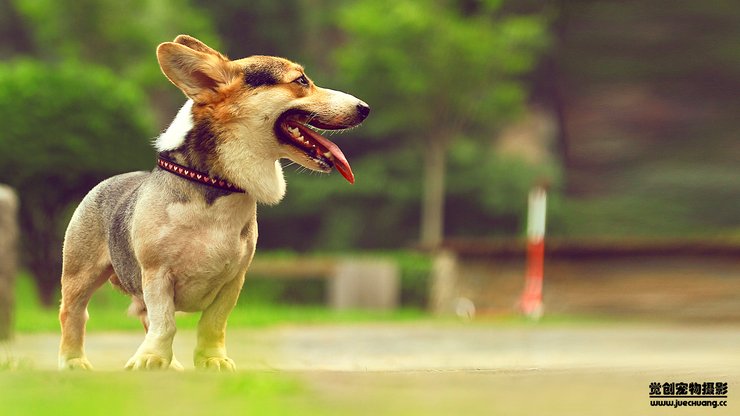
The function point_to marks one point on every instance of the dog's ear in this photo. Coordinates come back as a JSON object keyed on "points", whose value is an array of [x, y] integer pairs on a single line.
{"points": [[198, 74], [197, 45]]}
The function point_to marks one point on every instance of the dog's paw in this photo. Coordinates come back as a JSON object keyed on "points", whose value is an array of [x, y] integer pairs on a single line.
{"points": [[176, 365], [148, 361], [215, 363], [80, 363]]}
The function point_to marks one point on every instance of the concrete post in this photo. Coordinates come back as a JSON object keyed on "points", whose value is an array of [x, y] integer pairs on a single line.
{"points": [[8, 253], [444, 283], [365, 284]]}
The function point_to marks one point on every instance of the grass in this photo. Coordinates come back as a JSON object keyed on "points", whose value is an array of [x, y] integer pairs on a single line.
{"points": [[264, 302], [12, 363], [553, 393], [25, 391], [113, 394], [108, 312]]}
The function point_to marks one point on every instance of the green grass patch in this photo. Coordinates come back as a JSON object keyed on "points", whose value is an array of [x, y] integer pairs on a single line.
{"points": [[108, 312], [163, 393], [263, 302], [12, 363]]}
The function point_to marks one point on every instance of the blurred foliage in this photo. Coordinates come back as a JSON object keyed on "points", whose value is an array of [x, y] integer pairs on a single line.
{"points": [[432, 72], [665, 201], [436, 67], [260, 305], [69, 120], [488, 191], [116, 34], [264, 27], [649, 93], [644, 94], [72, 126], [414, 268]]}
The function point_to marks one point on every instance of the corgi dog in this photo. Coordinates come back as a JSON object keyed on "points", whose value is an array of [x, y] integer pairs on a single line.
{"points": [[181, 237]]}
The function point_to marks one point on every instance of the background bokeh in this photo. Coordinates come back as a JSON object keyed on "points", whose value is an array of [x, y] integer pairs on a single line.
{"points": [[627, 110]]}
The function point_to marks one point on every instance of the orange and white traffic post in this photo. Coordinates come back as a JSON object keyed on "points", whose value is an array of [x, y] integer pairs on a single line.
{"points": [[531, 300]]}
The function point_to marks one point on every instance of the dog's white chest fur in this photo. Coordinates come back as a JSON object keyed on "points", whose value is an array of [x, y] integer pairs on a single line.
{"points": [[202, 247]]}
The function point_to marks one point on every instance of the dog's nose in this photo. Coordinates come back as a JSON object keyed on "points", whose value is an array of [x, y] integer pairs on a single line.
{"points": [[363, 109]]}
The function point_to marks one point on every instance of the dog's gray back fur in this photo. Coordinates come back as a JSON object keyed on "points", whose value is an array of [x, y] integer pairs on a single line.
{"points": [[118, 199], [107, 211]]}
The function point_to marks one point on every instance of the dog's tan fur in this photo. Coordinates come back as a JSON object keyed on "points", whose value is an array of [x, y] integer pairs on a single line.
{"points": [[174, 245]]}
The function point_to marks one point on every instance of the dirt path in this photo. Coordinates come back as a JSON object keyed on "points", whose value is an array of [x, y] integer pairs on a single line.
{"points": [[431, 347], [434, 369]]}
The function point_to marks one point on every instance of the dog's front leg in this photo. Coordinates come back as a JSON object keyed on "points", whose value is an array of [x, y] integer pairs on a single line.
{"points": [[156, 350], [210, 351]]}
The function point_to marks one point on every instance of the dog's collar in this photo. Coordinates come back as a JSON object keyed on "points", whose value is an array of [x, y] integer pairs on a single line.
{"points": [[195, 176]]}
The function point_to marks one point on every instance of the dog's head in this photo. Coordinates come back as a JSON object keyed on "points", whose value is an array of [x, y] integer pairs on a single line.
{"points": [[246, 114]]}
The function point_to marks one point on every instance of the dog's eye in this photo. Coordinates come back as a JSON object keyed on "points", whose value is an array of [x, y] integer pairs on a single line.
{"points": [[302, 80]]}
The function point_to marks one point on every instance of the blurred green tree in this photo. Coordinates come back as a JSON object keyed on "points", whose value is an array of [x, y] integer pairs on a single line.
{"points": [[67, 127], [14, 37], [116, 34], [264, 27], [434, 70]]}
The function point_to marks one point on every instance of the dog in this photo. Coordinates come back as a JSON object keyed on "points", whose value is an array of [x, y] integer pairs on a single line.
{"points": [[181, 237]]}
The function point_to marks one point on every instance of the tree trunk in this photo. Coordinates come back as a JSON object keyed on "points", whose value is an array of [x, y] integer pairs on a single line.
{"points": [[432, 206]]}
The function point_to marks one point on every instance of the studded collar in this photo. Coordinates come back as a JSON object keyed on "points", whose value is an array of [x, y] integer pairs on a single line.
{"points": [[196, 176]]}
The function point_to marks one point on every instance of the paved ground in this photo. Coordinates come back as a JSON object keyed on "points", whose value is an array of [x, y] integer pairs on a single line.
{"points": [[434, 347], [449, 369]]}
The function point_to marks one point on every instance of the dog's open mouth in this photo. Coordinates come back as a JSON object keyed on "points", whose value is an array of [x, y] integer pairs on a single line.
{"points": [[298, 130]]}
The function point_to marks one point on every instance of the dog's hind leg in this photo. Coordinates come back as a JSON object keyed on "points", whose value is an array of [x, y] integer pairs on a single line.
{"points": [[138, 309], [78, 285], [86, 266]]}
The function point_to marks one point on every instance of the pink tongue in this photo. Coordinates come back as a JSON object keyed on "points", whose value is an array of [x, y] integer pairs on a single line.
{"points": [[340, 162]]}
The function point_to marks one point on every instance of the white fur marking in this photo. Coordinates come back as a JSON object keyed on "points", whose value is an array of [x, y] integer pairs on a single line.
{"points": [[174, 136]]}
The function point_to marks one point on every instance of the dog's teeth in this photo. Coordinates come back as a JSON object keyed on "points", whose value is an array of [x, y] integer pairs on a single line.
{"points": [[327, 155], [294, 131]]}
